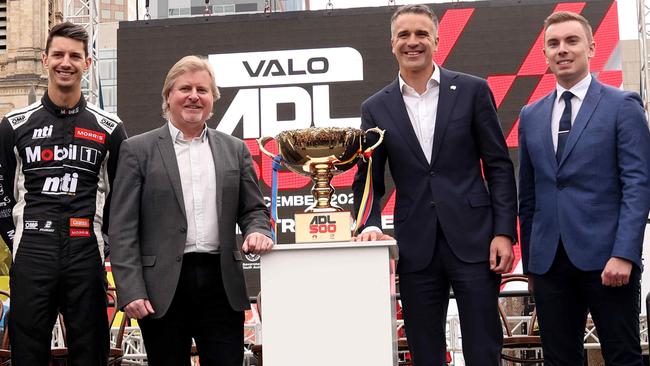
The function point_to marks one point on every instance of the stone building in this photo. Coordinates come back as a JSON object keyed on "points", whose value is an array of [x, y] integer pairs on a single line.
{"points": [[24, 25]]}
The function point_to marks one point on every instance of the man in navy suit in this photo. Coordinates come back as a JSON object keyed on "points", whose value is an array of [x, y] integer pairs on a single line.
{"points": [[584, 192], [455, 219]]}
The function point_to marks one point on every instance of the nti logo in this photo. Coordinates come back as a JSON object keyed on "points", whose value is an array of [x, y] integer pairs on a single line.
{"points": [[42, 133], [61, 185], [257, 106], [57, 153]]}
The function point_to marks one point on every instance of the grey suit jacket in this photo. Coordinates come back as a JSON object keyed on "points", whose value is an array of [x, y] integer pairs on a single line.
{"points": [[148, 224]]}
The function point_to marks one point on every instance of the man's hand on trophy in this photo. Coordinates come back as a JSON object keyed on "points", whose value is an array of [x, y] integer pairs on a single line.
{"points": [[256, 243], [372, 234]]}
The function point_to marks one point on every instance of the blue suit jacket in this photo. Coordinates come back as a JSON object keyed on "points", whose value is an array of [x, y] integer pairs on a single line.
{"points": [[596, 199], [450, 190]]}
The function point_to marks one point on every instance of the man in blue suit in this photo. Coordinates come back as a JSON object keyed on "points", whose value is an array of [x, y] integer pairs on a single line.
{"points": [[584, 193], [453, 227]]}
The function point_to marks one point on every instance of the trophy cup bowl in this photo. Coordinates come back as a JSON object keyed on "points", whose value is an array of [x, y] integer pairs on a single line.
{"points": [[321, 153]]}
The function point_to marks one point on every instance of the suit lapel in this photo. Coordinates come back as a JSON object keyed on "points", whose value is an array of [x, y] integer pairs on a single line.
{"points": [[219, 166], [546, 132], [166, 148], [446, 101], [400, 118], [582, 119]]}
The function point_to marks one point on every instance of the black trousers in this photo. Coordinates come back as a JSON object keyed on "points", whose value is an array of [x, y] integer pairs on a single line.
{"points": [[199, 310], [50, 275], [425, 297], [565, 294]]}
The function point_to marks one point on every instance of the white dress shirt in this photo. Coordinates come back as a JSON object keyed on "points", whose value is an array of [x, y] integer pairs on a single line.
{"points": [[579, 92], [198, 179], [422, 110]]}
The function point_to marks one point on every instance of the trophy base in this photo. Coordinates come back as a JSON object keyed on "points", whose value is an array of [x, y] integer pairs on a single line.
{"points": [[313, 227]]}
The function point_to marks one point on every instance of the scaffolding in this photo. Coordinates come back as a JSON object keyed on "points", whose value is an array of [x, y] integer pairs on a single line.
{"points": [[643, 13], [86, 14]]}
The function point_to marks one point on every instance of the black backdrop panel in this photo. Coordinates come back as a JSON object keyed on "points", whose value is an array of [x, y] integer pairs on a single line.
{"points": [[495, 40]]}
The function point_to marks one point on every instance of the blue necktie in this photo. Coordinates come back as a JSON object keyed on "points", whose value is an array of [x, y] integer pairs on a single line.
{"points": [[565, 125]]}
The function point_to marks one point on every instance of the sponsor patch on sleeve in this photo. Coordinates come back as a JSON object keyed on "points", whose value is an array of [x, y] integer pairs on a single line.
{"points": [[46, 226], [79, 222], [31, 225], [91, 135], [75, 232]]}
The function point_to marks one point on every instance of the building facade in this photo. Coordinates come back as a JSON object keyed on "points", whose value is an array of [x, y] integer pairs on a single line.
{"points": [[22, 76], [113, 10], [162, 9]]}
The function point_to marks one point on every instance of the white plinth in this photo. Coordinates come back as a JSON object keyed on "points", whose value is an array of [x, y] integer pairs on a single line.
{"points": [[329, 304]]}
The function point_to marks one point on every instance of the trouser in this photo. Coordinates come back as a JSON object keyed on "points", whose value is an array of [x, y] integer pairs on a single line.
{"points": [[51, 274], [425, 297], [199, 310], [563, 297]]}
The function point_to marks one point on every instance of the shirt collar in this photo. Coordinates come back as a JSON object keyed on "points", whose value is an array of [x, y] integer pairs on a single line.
{"points": [[177, 135], [579, 90], [60, 111], [433, 81]]}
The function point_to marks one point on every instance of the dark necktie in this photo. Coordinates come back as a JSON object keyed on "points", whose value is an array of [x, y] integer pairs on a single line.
{"points": [[565, 125]]}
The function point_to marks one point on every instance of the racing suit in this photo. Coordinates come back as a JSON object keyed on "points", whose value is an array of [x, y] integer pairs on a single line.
{"points": [[56, 168]]}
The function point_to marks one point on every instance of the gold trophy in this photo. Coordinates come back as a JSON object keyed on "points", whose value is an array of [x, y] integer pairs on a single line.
{"points": [[321, 153]]}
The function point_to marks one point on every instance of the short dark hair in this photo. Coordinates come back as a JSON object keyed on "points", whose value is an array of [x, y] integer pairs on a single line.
{"points": [[568, 16], [413, 9], [68, 30]]}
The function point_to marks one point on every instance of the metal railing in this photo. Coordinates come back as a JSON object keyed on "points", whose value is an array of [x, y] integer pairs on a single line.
{"points": [[135, 353]]}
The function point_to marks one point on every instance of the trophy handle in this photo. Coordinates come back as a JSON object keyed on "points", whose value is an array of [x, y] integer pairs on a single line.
{"points": [[263, 140], [378, 131]]}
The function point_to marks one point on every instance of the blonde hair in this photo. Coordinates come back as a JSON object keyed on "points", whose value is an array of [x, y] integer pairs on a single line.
{"points": [[187, 64]]}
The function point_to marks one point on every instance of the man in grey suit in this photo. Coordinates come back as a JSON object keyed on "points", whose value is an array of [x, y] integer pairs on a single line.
{"points": [[179, 192]]}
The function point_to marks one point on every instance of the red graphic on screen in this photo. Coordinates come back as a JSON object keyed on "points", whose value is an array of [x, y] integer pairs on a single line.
{"points": [[606, 39], [450, 27]]}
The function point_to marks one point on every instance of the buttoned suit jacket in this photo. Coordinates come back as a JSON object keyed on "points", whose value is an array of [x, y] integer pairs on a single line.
{"points": [[596, 199], [148, 224], [450, 191]]}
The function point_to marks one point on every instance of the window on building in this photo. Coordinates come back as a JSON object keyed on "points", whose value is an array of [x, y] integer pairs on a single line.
{"points": [[3, 26], [109, 97], [119, 15], [247, 7], [223, 9], [106, 1], [50, 13], [106, 14], [107, 65], [178, 12], [119, 2]]}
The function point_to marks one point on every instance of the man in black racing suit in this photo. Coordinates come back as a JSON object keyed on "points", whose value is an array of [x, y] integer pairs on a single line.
{"points": [[57, 161]]}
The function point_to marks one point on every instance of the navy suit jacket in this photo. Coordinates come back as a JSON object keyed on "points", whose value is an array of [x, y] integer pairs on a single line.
{"points": [[450, 190], [596, 199]]}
